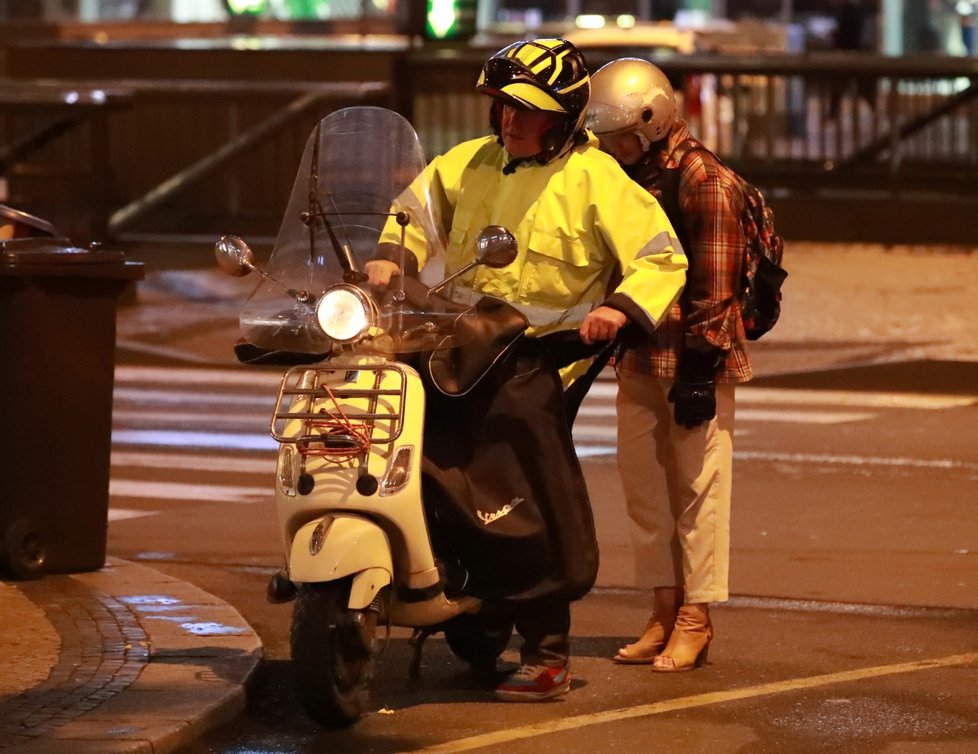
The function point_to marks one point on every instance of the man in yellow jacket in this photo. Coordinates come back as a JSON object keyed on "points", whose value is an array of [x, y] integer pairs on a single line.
{"points": [[579, 222]]}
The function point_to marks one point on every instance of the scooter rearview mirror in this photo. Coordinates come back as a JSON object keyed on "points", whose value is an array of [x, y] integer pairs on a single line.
{"points": [[495, 247], [234, 256]]}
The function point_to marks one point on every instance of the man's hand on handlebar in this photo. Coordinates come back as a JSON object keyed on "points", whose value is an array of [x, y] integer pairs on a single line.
{"points": [[380, 271], [602, 324]]}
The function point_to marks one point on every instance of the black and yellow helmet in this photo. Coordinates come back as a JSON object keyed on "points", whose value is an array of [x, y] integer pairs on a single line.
{"points": [[541, 74]]}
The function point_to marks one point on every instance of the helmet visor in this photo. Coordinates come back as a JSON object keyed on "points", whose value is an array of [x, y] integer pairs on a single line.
{"points": [[510, 81], [604, 118]]}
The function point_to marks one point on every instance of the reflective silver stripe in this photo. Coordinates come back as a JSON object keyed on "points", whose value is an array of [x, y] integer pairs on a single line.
{"points": [[659, 243], [641, 309], [537, 316]]}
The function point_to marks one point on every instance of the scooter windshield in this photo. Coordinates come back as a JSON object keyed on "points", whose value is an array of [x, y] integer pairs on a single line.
{"points": [[350, 182]]}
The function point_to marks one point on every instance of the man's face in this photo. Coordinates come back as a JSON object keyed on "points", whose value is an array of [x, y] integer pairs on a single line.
{"points": [[522, 130], [624, 147]]}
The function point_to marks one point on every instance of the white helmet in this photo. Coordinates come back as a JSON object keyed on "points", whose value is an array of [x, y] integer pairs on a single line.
{"points": [[628, 95]]}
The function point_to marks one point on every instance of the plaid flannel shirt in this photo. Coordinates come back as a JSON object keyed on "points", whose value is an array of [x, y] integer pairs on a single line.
{"points": [[708, 311]]}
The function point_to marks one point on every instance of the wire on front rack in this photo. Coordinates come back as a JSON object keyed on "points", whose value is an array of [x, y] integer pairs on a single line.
{"points": [[341, 439]]}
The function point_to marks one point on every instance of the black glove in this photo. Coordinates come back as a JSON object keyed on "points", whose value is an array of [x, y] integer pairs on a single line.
{"points": [[695, 390]]}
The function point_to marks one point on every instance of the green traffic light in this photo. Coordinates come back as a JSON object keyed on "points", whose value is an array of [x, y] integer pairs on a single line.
{"points": [[247, 7], [442, 18]]}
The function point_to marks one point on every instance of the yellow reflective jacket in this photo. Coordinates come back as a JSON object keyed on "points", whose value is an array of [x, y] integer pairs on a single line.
{"points": [[577, 220]]}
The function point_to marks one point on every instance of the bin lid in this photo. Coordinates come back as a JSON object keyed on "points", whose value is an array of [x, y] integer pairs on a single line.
{"points": [[53, 251], [47, 256], [35, 225]]}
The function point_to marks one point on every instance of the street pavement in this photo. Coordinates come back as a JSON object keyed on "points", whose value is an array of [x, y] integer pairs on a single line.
{"points": [[124, 659], [128, 659]]}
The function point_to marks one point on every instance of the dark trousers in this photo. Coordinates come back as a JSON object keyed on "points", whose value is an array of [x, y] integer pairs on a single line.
{"points": [[545, 628]]}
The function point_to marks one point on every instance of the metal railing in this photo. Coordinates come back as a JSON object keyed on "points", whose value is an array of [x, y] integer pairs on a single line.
{"points": [[793, 118], [192, 158], [857, 148], [168, 158]]}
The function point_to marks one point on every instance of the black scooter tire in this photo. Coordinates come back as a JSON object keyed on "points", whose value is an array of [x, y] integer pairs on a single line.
{"points": [[332, 660]]}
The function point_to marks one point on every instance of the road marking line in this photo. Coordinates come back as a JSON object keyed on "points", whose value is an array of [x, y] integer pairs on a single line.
{"points": [[498, 738]]}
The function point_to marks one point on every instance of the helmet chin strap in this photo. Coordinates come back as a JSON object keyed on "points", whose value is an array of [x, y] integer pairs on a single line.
{"points": [[510, 167], [644, 141]]}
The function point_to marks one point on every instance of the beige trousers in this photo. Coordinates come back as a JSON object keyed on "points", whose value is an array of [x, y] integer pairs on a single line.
{"points": [[677, 484]]}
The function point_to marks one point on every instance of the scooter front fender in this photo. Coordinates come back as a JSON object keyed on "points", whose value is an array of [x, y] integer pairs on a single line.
{"points": [[335, 546]]}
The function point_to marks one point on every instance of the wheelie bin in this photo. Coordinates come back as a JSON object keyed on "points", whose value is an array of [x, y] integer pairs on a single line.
{"points": [[57, 350]]}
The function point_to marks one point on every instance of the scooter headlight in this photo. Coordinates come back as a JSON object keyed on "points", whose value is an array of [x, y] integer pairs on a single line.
{"points": [[345, 313]]}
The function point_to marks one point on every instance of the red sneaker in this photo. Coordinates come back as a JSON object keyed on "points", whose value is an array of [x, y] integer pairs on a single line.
{"points": [[534, 683]]}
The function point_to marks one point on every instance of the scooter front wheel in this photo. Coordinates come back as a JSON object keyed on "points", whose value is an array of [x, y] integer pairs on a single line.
{"points": [[332, 659]]}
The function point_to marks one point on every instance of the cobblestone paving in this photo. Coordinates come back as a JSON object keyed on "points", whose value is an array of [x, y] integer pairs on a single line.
{"points": [[103, 651]]}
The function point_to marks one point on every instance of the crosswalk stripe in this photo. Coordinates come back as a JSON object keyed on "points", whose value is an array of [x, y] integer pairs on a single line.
{"points": [[754, 415], [199, 376], [228, 420], [253, 419], [603, 389], [599, 410], [194, 462], [818, 459], [608, 389], [187, 491], [853, 460], [182, 397], [866, 399], [801, 417], [594, 435], [234, 406], [123, 514], [199, 439], [586, 450]]}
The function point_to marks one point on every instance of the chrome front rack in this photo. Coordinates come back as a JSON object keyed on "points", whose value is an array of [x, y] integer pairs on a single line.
{"points": [[340, 412]]}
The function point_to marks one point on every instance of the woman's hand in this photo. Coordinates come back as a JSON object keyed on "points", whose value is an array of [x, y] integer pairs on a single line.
{"points": [[602, 324], [380, 271]]}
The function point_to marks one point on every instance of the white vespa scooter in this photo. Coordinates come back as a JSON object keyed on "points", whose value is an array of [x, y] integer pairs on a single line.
{"points": [[350, 414]]}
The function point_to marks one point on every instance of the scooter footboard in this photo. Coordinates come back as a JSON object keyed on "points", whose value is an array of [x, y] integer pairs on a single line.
{"points": [[333, 547]]}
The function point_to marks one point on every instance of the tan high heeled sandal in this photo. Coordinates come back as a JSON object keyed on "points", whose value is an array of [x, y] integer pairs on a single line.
{"points": [[689, 644], [666, 602]]}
